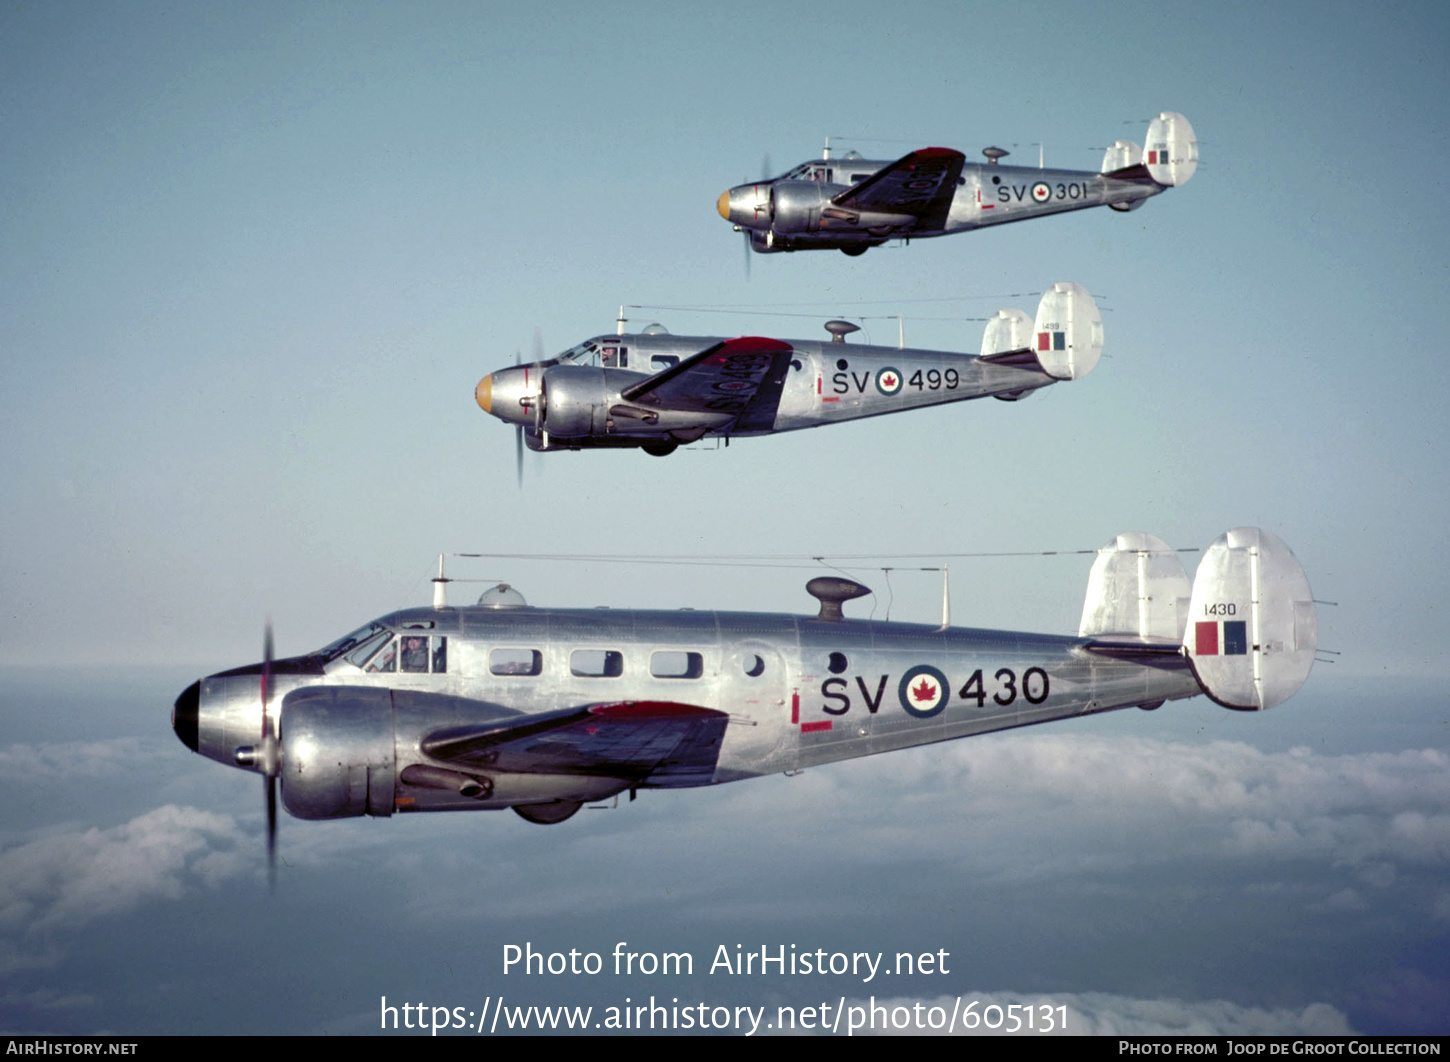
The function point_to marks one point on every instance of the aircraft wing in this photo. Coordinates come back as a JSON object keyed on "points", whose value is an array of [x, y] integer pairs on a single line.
{"points": [[658, 743], [743, 377], [920, 184]]}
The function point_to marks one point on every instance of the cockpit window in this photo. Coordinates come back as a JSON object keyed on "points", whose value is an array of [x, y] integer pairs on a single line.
{"points": [[360, 655], [582, 354], [329, 653], [410, 654], [415, 653], [386, 660]]}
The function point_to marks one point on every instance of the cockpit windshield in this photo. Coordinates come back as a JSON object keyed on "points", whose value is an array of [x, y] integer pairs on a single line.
{"points": [[608, 353], [329, 653], [582, 354]]}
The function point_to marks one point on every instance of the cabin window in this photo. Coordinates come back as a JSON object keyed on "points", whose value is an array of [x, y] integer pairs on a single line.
{"points": [[509, 661], [754, 665], [614, 356], [440, 655], [837, 663], [663, 361], [670, 664], [596, 663]]}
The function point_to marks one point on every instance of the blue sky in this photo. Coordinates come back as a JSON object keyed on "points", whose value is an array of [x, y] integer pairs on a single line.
{"points": [[254, 258]]}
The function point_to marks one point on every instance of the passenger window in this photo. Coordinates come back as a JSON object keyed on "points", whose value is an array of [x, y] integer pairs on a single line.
{"points": [[754, 665], [440, 655], [596, 663], [663, 361], [669, 664], [516, 662]]}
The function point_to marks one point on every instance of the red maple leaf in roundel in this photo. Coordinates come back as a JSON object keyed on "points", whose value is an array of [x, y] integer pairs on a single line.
{"points": [[889, 380], [924, 691]]}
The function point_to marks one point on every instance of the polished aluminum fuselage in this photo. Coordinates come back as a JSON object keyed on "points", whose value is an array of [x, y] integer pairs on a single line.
{"points": [[798, 691], [985, 195], [827, 383]]}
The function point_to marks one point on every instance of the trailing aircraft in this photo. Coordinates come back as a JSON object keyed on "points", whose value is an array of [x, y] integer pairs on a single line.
{"points": [[502, 705], [655, 391], [852, 204]]}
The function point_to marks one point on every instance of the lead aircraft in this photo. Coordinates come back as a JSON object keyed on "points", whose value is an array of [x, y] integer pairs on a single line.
{"points": [[655, 391], [852, 204], [501, 705]]}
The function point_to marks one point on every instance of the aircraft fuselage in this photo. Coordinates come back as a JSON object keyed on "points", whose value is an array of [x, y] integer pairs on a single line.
{"points": [[796, 692]]}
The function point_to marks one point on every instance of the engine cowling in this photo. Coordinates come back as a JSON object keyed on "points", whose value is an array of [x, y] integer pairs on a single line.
{"points": [[795, 206], [573, 398], [338, 752]]}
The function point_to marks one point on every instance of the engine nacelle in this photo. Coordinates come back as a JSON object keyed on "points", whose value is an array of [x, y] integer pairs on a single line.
{"points": [[795, 206], [574, 400], [337, 752]]}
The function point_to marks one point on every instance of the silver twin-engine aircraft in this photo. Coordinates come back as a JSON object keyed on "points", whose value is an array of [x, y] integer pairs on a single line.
{"points": [[852, 204], [656, 391], [501, 705]]}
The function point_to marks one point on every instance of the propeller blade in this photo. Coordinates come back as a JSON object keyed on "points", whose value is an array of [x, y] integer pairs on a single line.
{"points": [[266, 677], [748, 254], [765, 166], [519, 453], [538, 344], [270, 754], [272, 832]]}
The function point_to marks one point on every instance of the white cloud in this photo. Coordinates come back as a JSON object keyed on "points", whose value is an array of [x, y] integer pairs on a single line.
{"points": [[1093, 1014], [63, 881], [52, 762]]}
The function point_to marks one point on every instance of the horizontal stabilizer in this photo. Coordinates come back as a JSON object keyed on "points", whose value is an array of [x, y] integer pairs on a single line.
{"points": [[1171, 153], [1252, 630], [1137, 588]]}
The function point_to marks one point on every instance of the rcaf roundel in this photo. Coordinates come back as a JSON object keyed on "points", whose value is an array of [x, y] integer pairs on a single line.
{"points": [[1041, 193], [923, 691], [888, 380]]}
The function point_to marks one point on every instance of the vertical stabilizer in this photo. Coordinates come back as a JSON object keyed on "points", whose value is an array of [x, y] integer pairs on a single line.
{"points": [[1121, 155], [1137, 588], [1007, 330], [1068, 337], [1171, 153], [1251, 624]]}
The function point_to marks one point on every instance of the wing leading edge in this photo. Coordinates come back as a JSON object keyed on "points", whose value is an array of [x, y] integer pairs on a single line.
{"points": [[742, 377], [920, 184]]}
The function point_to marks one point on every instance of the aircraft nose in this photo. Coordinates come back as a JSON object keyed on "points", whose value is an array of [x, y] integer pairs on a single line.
{"points": [[723, 205], [184, 716], [483, 393]]}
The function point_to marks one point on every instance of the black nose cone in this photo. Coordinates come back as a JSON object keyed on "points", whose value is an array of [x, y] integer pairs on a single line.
{"points": [[184, 713]]}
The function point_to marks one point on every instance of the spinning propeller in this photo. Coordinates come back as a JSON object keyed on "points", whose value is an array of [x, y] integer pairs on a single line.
{"points": [[538, 404], [270, 757], [266, 756]]}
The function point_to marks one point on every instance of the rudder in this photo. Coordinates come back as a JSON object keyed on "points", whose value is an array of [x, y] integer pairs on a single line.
{"points": [[1252, 628]]}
